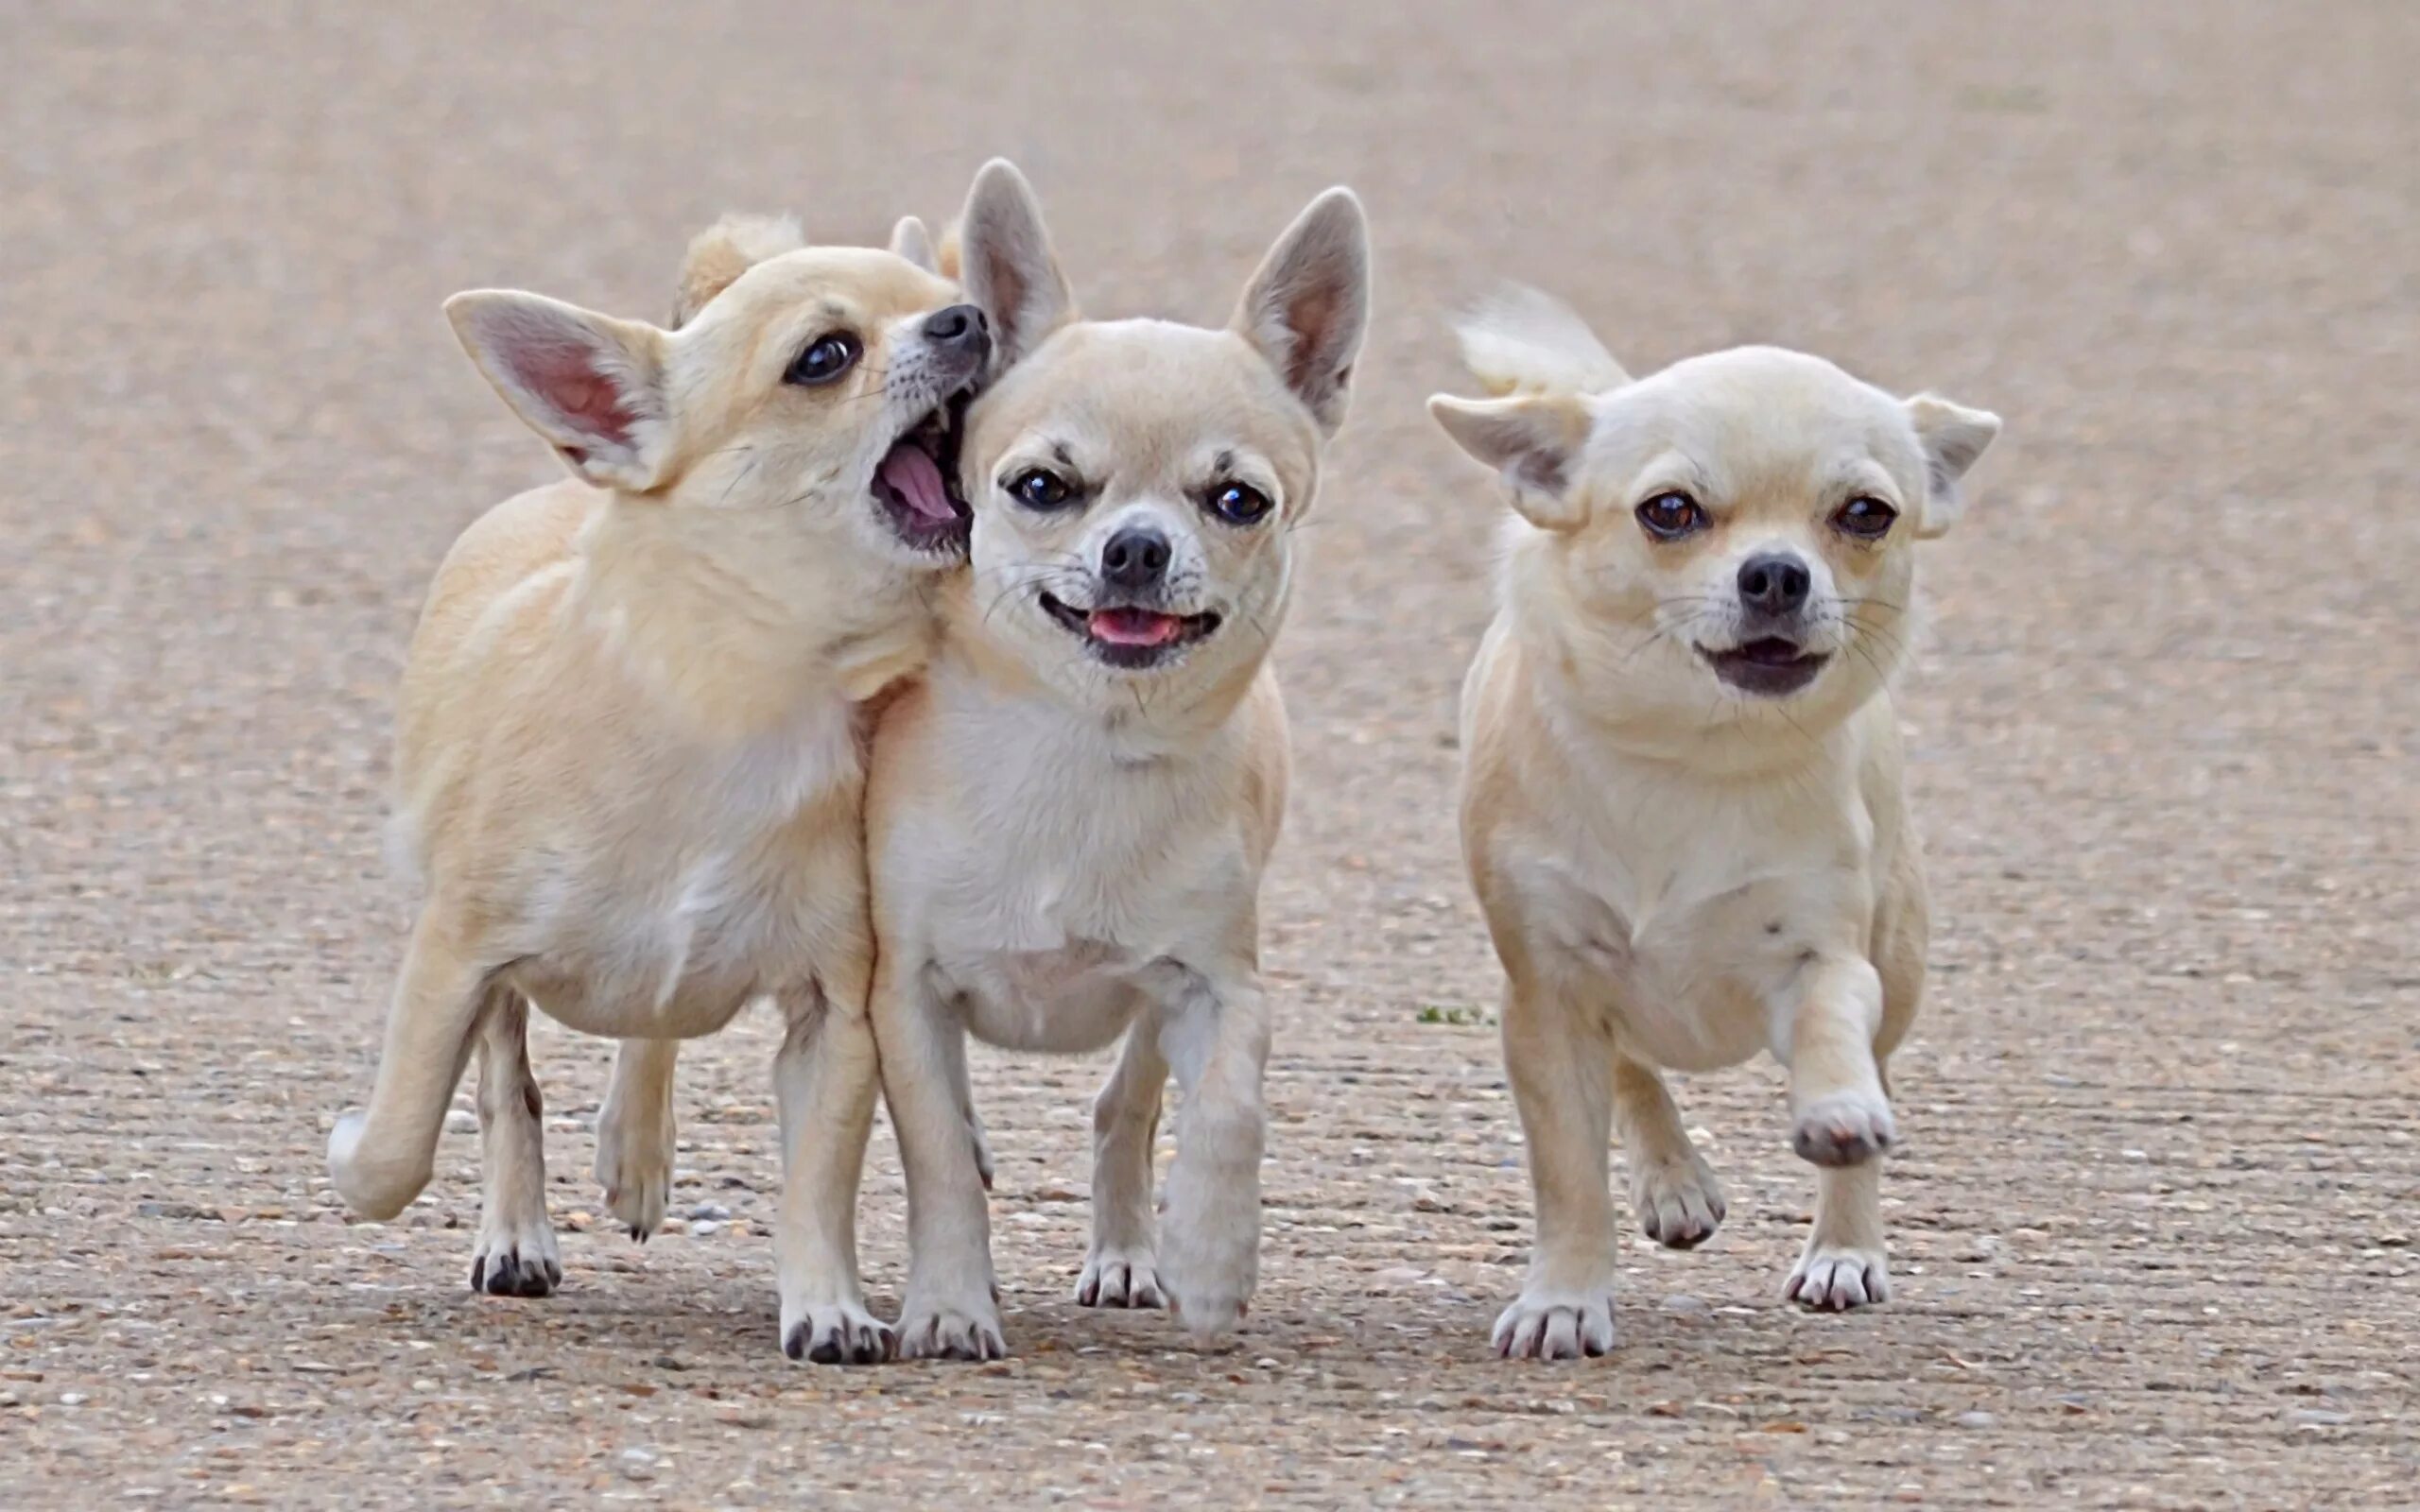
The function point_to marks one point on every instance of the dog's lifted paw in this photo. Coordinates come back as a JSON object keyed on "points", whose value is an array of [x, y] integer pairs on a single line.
{"points": [[1120, 1278], [1679, 1203], [966, 1330], [635, 1170], [1838, 1281], [835, 1333], [1556, 1324], [1846, 1129], [516, 1259]]}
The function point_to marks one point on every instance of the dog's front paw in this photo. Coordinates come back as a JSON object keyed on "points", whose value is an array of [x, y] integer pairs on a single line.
{"points": [[1679, 1203], [1211, 1269], [834, 1333], [634, 1166], [1120, 1278], [1553, 1324], [958, 1328], [516, 1259], [1832, 1279], [1846, 1129]]}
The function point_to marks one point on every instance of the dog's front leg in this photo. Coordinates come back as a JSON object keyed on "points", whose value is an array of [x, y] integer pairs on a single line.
{"points": [[1122, 1269], [1216, 1037], [824, 1076], [951, 1311], [1842, 1122], [1560, 1066]]}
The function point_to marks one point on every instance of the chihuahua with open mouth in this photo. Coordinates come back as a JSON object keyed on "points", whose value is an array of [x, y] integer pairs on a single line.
{"points": [[1683, 802], [630, 758], [1069, 814]]}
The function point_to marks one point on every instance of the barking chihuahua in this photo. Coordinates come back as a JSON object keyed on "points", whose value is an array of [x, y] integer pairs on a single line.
{"points": [[1069, 815], [1683, 806], [629, 760]]}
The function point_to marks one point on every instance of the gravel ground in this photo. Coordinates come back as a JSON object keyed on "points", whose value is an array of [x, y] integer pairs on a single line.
{"points": [[2155, 1221]]}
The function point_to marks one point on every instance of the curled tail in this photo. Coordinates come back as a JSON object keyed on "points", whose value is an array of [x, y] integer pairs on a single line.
{"points": [[1521, 341]]}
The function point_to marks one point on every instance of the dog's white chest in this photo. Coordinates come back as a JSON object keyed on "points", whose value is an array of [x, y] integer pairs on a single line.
{"points": [[1690, 949]]}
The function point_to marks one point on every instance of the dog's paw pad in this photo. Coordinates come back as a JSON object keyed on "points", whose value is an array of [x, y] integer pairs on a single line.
{"points": [[1840, 1280], [1847, 1129], [1556, 1326], [838, 1333], [948, 1332], [1679, 1203], [1121, 1278]]}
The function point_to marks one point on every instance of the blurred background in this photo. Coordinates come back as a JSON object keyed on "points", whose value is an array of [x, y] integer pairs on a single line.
{"points": [[2154, 1226]]}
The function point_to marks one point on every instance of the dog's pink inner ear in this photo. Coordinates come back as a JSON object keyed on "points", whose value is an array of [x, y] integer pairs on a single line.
{"points": [[1312, 317], [567, 377]]}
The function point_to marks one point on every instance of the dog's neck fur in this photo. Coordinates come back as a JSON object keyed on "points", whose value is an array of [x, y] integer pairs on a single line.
{"points": [[1575, 667], [684, 610]]}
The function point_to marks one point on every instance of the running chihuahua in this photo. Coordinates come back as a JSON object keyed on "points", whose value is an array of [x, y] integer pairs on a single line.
{"points": [[1683, 803], [630, 758]]}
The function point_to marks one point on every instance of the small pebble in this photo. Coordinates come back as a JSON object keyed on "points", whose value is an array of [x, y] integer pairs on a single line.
{"points": [[1976, 1419]]}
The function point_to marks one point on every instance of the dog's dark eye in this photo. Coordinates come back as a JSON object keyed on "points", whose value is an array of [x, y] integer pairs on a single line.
{"points": [[1670, 516], [1038, 488], [1864, 517], [825, 359], [1238, 504]]}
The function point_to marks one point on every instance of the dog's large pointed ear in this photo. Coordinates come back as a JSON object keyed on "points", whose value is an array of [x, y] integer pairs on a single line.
{"points": [[1953, 436], [719, 254], [1309, 305], [1534, 440], [1006, 263], [910, 240], [591, 385]]}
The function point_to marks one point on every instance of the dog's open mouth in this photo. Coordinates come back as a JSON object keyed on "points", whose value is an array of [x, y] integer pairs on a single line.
{"points": [[1770, 666], [1129, 635], [916, 481]]}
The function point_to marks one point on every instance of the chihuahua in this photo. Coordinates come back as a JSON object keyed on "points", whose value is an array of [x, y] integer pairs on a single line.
{"points": [[629, 755], [1069, 814], [1682, 802]]}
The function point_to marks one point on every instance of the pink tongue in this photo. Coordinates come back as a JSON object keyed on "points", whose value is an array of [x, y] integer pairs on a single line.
{"points": [[918, 482], [1134, 626]]}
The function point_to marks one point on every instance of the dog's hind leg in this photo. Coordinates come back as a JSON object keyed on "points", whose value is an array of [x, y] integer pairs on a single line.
{"points": [[516, 1254], [1672, 1188], [1844, 1124], [380, 1158], [1843, 1265], [636, 1135], [1122, 1269]]}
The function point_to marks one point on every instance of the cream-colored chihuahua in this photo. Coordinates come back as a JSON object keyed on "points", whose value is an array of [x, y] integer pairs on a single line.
{"points": [[1069, 815], [1683, 806], [629, 757]]}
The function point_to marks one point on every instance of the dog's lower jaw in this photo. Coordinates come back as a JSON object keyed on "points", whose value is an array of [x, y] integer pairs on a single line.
{"points": [[1769, 668]]}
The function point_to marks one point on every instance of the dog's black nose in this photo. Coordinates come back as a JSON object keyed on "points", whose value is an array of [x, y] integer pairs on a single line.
{"points": [[961, 325], [1775, 583], [1135, 559]]}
